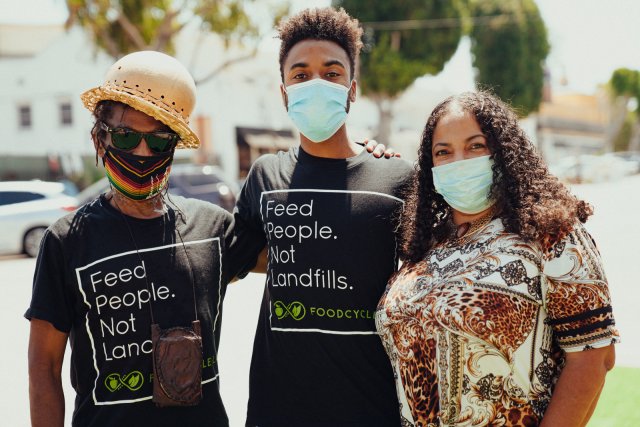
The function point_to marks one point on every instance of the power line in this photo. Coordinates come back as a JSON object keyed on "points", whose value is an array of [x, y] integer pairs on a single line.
{"points": [[418, 24]]}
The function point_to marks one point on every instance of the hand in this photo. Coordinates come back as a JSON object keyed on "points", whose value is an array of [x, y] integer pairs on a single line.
{"points": [[378, 150]]}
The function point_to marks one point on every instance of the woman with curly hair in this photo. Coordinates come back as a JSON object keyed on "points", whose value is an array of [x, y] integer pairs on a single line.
{"points": [[500, 314]]}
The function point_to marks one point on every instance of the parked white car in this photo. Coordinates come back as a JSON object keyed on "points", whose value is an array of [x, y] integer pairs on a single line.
{"points": [[27, 208], [587, 168]]}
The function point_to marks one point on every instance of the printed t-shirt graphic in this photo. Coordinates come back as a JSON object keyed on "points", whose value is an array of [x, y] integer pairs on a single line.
{"points": [[314, 287], [90, 253], [117, 321], [314, 362]]}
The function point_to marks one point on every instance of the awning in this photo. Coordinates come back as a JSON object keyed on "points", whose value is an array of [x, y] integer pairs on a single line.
{"points": [[266, 139]]}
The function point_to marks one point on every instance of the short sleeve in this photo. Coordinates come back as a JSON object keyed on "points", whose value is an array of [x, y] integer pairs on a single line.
{"points": [[406, 175], [247, 209], [246, 238], [576, 294], [243, 245], [50, 300]]}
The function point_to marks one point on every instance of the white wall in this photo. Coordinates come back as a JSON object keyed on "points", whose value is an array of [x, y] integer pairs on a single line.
{"points": [[244, 94], [59, 73]]}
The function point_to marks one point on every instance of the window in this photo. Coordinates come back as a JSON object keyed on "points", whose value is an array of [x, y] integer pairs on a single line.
{"points": [[65, 114], [11, 197], [24, 116], [198, 180]]}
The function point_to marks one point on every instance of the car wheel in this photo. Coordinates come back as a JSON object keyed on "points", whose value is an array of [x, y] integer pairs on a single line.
{"points": [[32, 239]]}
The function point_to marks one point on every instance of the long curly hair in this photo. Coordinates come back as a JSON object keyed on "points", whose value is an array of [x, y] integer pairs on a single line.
{"points": [[530, 201]]}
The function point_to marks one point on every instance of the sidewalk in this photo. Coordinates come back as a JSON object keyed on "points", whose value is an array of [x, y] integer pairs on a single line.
{"points": [[615, 227]]}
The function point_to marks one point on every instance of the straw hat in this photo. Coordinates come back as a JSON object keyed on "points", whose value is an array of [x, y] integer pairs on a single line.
{"points": [[155, 84]]}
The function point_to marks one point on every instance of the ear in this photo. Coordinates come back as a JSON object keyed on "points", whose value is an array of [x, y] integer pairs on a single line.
{"points": [[352, 91], [285, 98]]}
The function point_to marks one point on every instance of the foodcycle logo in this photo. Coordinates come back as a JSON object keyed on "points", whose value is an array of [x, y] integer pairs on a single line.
{"points": [[295, 310], [133, 381]]}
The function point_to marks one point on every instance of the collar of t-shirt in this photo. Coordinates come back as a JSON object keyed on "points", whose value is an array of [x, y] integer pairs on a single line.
{"points": [[306, 158]]}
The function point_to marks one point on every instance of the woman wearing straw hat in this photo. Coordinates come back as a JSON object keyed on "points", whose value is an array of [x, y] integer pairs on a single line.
{"points": [[132, 278]]}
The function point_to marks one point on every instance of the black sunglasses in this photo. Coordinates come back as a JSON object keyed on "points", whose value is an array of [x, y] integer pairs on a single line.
{"points": [[128, 139]]}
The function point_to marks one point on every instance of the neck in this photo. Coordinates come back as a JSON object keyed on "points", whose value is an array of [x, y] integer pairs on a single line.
{"points": [[143, 209], [336, 147], [461, 218]]}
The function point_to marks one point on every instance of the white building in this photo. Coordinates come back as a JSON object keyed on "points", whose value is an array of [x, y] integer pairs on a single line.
{"points": [[46, 125], [572, 124], [47, 128], [43, 115]]}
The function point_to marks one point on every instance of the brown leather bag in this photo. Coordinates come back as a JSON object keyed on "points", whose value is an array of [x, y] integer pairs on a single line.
{"points": [[177, 365]]}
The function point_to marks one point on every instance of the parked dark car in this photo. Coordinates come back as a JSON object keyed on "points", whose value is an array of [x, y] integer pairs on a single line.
{"points": [[187, 180]]}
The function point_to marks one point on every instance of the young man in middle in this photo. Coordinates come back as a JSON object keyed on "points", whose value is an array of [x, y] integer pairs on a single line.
{"points": [[326, 210]]}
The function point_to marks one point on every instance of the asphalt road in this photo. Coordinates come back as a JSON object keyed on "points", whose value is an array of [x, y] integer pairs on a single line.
{"points": [[615, 227]]}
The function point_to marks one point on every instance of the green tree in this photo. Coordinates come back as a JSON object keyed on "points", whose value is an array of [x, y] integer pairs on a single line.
{"points": [[625, 86], [626, 83], [509, 50], [403, 41], [118, 27]]}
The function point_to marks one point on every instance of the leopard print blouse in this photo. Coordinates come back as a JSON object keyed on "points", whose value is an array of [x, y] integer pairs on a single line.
{"points": [[477, 332]]}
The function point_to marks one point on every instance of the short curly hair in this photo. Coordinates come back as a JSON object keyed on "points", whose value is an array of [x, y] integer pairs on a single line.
{"points": [[321, 24], [530, 201]]}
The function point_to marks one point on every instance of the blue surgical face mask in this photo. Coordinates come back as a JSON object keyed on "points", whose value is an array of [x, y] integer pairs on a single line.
{"points": [[317, 107], [465, 184]]}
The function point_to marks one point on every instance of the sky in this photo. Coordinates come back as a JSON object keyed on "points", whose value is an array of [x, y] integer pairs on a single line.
{"points": [[589, 38]]}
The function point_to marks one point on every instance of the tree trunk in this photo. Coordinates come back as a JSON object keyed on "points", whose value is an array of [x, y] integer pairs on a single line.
{"points": [[385, 110], [229, 62], [617, 116], [634, 142]]}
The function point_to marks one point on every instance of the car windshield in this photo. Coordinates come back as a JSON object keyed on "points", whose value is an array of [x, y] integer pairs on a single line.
{"points": [[10, 197], [198, 180]]}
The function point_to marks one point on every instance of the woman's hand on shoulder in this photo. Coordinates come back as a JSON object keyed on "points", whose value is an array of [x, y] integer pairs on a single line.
{"points": [[379, 150]]}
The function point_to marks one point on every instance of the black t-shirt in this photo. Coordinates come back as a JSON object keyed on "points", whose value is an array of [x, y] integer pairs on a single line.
{"points": [[94, 280], [329, 224]]}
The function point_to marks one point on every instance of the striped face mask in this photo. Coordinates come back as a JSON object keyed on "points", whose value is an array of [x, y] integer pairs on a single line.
{"points": [[137, 177]]}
